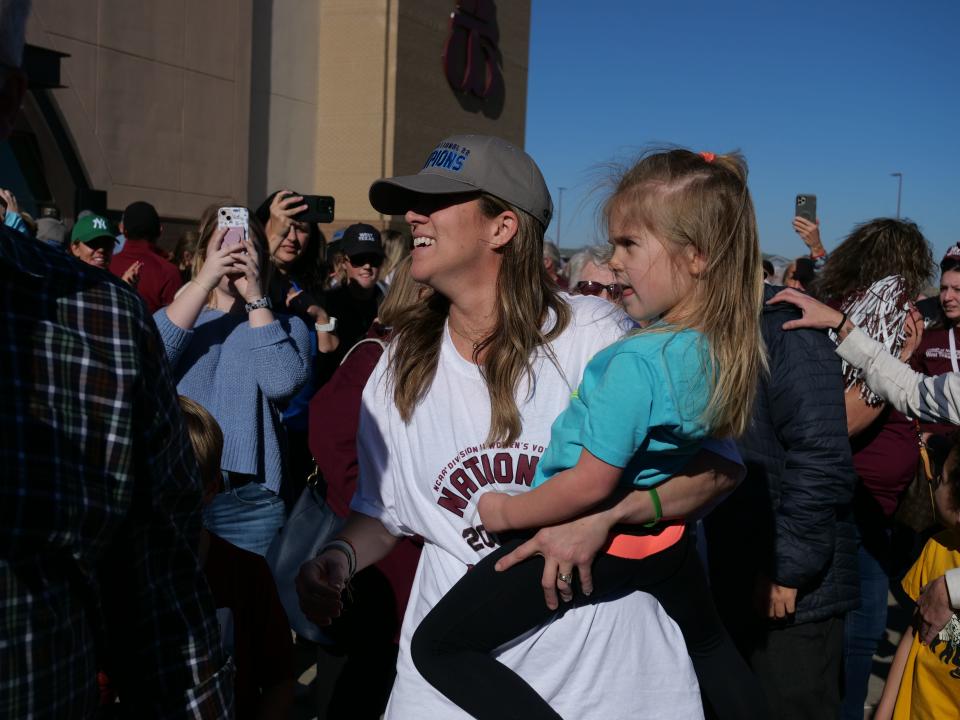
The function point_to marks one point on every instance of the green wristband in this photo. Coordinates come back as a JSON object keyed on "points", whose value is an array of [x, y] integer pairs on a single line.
{"points": [[657, 509]]}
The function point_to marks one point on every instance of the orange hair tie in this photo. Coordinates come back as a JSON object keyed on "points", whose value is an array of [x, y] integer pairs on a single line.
{"points": [[708, 156]]}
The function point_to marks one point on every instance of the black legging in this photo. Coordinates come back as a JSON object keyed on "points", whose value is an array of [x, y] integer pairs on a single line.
{"points": [[452, 647]]}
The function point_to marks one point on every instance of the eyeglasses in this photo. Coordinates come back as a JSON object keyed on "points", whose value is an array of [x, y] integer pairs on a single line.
{"points": [[591, 287], [371, 259]]}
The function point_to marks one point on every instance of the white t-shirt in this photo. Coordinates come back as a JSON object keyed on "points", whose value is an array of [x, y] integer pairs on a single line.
{"points": [[620, 659]]}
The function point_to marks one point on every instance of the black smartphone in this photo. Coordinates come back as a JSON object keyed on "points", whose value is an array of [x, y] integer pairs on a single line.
{"points": [[319, 209], [930, 310], [807, 207]]}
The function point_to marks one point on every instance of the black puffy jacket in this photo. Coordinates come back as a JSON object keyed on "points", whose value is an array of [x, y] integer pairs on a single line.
{"points": [[789, 520]]}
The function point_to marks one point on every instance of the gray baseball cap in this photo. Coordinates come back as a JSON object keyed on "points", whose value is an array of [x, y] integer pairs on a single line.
{"points": [[469, 164]]}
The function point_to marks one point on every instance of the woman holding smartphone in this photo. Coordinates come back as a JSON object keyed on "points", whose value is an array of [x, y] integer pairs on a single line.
{"points": [[297, 256], [233, 355]]}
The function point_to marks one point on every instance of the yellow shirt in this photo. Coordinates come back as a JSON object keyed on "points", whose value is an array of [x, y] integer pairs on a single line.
{"points": [[930, 688]]}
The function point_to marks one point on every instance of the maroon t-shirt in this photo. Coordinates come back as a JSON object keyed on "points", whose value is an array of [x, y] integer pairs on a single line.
{"points": [[885, 456], [159, 278], [334, 419], [933, 358], [262, 646]]}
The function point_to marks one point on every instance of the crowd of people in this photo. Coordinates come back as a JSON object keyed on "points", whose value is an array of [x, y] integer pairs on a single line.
{"points": [[655, 479]]}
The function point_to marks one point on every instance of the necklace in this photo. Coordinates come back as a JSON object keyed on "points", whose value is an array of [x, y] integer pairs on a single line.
{"points": [[465, 336]]}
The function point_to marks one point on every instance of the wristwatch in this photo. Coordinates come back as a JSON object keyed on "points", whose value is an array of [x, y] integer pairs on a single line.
{"points": [[263, 302], [329, 326]]}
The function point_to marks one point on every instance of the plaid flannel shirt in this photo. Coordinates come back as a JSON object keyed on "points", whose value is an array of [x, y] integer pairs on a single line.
{"points": [[99, 504]]}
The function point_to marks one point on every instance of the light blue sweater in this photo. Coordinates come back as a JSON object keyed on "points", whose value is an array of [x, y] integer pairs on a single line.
{"points": [[242, 376]]}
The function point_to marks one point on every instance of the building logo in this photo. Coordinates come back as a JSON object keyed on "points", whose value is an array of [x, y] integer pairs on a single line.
{"points": [[471, 58]]}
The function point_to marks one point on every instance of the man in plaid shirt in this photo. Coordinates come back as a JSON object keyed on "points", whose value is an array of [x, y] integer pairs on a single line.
{"points": [[99, 490]]}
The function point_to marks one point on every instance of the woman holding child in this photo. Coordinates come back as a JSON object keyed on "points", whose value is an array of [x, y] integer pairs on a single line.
{"points": [[462, 404]]}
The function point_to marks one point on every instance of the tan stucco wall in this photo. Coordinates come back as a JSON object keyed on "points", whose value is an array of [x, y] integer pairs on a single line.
{"points": [[158, 96], [188, 102], [427, 109], [368, 97]]}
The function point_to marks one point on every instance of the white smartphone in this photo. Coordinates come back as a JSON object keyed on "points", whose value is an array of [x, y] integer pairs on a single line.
{"points": [[237, 222]]}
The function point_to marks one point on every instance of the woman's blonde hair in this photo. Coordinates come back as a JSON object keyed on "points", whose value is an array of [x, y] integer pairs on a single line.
{"points": [[403, 292], [396, 246], [524, 299], [206, 438], [684, 198], [208, 224]]}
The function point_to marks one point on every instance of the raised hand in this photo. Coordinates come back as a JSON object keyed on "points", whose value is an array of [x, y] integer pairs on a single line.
{"points": [[219, 261], [810, 233], [131, 275], [284, 207]]}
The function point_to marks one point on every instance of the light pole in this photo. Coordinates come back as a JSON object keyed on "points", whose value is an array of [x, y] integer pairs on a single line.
{"points": [[559, 213], [899, 177]]}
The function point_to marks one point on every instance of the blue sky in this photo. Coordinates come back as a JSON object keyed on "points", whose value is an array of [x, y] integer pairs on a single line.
{"points": [[826, 98]]}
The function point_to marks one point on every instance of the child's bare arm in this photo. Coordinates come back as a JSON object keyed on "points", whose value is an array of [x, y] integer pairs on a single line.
{"points": [[567, 495], [888, 699]]}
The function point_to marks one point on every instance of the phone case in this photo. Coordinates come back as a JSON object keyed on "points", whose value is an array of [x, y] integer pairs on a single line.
{"points": [[807, 207], [236, 220]]}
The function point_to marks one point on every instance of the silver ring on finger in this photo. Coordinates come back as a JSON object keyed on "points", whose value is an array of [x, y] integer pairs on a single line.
{"points": [[565, 577]]}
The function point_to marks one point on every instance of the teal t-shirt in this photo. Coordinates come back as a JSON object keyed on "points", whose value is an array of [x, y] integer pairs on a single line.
{"points": [[639, 406]]}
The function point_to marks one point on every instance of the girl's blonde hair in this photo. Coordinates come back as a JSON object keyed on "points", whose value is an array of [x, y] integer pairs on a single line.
{"points": [[206, 438], [525, 298], [208, 223], [684, 198]]}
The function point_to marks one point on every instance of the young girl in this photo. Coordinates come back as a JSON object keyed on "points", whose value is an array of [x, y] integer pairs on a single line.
{"points": [[686, 253], [924, 680]]}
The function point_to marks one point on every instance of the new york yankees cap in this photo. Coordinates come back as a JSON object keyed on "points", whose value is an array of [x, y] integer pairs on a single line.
{"points": [[91, 227], [469, 164]]}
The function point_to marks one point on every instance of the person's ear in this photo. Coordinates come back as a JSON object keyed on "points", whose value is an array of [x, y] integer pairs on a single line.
{"points": [[505, 227], [696, 260], [12, 92], [123, 230]]}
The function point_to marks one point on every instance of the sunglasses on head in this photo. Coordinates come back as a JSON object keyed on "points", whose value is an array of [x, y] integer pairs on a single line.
{"points": [[371, 259], [591, 287]]}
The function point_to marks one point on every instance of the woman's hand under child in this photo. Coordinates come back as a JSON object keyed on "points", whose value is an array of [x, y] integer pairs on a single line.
{"points": [[565, 547]]}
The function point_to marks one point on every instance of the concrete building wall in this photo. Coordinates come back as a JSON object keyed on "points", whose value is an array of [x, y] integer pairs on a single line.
{"points": [[427, 109], [188, 102], [285, 100], [157, 101]]}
